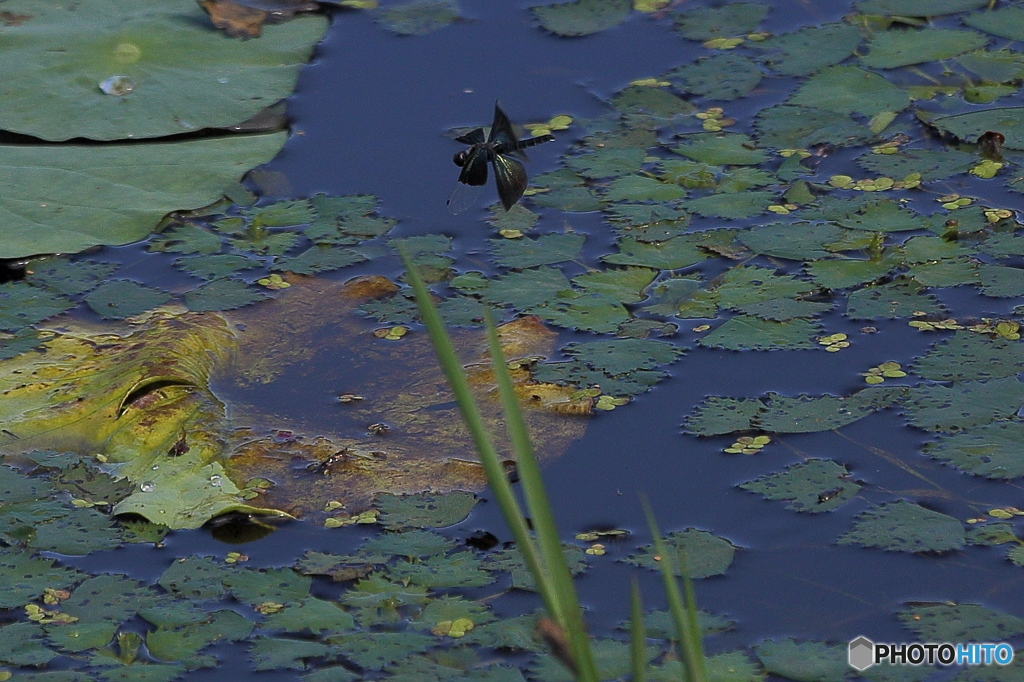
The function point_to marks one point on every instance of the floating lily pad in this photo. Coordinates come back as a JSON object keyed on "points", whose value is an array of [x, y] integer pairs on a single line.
{"points": [[274, 653], [722, 149], [918, 8], [969, 356], [783, 309], [184, 75], [673, 254], [960, 623], [419, 17], [750, 284], [425, 511], [461, 569], [905, 527], [991, 450], [1001, 281], [932, 164], [25, 577], [722, 76], [795, 241], [67, 198], [123, 298], [317, 259], [945, 273], [732, 19], [994, 66], [23, 644], [817, 485], [1005, 22], [67, 277], [654, 101], [804, 662], [223, 294], [582, 17], [281, 585], [608, 162], [791, 127], [22, 305], [884, 216], [1008, 121], [625, 285], [811, 414], [898, 299], [965, 404], [735, 205], [218, 265], [810, 49], [843, 273], [745, 332], [702, 553], [639, 188], [894, 48], [849, 90]]}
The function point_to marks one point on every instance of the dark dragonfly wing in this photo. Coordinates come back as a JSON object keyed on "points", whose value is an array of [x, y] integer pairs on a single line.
{"points": [[510, 176], [462, 197], [475, 136], [471, 179], [502, 133]]}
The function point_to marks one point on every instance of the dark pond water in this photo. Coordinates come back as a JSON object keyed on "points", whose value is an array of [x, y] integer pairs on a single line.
{"points": [[368, 117]]}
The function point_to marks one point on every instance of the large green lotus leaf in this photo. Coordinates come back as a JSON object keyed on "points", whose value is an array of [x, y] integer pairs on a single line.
{"points": [[810, 414], [960, 623], [722, 76], [703, 554], [918, 8], [817, 485], [186, 75], [968, 127], [810, 49], [969, 356], [905, 527], [964, 404], [804, 661], [67, 198], [745, 332], [732, 19], [849, 90], [795, 241], [1005, 22], [722, 150], [932, 164], [992, 450], [786, 126], [582, 17], [902, 298], [894, 48]]}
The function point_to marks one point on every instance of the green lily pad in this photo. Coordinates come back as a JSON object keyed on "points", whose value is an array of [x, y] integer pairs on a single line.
{"points": [[123, 298], [274, 653], [511, 560], [794, 241], [673, 254], [965, 404], [994, 66], [22, 644], [718, 149], [894, 48], [733, 19], [884, 216], [70, 278], [654, 101], [199, 578], [582, 17], [411, 544], [745, 332], [960, 623], [1005, 22], [186, 76], [702, 553], [723, 76], [811, 48], [217, 265], [932, 164], [461, 569], [786, 126], [734, 206], [817, 485], [625, 285], [419, 17], [918, 8], [638, 188], [22, 305], [991, 450], [67, 198], [1009, 121], [611, 658], [890, 301], [905, 527], [783, 309], [281, 585], [528, 289], [969, 356], [223, 294], [426, 510], [718, 415], [843, 273], [849, 90], [804, 662], [608, 162], [26, 577], [811, 414], [750, 284], [945, 273], [1001, 281], [184, 643], [312, 614], [187, 239], [318, 258]]}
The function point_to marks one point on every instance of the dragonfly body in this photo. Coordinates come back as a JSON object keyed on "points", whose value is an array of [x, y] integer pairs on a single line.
{"points": [[503, 151]]}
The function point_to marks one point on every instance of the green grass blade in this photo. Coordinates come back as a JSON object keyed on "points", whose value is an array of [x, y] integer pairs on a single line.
{"points": [[489, 458], [637, 634], [684, 613], [569, 614]]}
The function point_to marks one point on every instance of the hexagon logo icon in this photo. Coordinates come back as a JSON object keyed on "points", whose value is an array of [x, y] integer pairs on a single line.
{"points": [[862, 653]]}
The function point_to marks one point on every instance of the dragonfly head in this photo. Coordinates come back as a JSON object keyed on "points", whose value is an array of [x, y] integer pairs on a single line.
{"points": [[460, 158]]}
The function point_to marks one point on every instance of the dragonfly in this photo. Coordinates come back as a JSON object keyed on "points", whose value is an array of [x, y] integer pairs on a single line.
{"points": [[505, 153]]}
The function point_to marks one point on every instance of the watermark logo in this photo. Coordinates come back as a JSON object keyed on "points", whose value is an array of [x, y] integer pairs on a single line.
{"points": [[863, 653]]}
